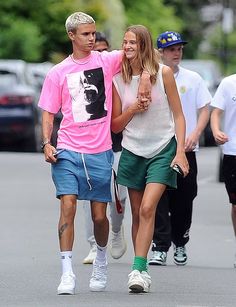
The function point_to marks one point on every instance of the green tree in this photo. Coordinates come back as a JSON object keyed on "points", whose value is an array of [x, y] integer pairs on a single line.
{"points": [[21, 40], [35, 30], [155, 15]]}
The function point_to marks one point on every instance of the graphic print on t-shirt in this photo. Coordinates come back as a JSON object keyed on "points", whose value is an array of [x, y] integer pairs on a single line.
{"points": [[87, 93]]}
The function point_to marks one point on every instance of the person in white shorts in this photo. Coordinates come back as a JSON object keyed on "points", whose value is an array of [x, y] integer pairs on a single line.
{"points": [[224, 111], [117, 243]]}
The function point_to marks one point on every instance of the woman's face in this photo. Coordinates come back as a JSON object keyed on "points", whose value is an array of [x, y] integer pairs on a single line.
{"points": [[130, 46]]}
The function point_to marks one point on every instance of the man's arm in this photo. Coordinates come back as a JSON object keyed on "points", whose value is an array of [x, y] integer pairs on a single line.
{"points": [[193, 137], [47, 129], [145, 87], [219, 136]]}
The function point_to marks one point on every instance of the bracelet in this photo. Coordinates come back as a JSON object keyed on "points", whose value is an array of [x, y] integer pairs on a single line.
{"points": [[44, 143]]}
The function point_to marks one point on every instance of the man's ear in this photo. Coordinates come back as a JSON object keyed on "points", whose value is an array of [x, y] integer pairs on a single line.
{"points": [[71, 35]]}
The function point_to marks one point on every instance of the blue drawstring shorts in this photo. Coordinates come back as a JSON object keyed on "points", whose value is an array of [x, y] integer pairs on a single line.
{"points": [[88, 176]]}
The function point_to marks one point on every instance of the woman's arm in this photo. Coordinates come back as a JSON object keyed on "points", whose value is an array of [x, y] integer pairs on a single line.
{"points": [[180, 126], [119, 119]]}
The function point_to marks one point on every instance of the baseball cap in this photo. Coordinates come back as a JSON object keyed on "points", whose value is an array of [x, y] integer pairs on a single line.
{"points": [[169, 38]]}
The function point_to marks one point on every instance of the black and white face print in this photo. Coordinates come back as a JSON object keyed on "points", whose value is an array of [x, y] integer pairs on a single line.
{"points": [[87, 91]]}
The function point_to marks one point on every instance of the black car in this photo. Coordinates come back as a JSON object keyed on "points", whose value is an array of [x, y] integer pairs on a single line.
{"points": [[19, 118]]}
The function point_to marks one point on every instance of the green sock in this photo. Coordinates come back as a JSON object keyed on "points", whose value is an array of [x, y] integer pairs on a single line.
{"points": [[140, 264]]}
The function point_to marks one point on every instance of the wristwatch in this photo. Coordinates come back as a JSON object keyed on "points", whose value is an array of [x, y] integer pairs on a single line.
{"points": [[45, 143]]}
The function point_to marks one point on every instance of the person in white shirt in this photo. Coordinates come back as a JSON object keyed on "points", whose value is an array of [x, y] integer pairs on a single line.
{"points": [[119, 193], [174, 214], [224, 111]]}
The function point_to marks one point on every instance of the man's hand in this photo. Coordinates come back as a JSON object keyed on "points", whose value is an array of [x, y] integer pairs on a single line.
{"points": [[145, 86], [220, 137], [191, 142], [49, 150]]}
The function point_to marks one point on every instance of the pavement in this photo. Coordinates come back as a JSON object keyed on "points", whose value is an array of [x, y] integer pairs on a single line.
{"points": [[30, 264]]}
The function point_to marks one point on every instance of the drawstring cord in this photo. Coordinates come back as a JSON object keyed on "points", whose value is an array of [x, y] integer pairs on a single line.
{"points": [[116, 193], [86, 172]]}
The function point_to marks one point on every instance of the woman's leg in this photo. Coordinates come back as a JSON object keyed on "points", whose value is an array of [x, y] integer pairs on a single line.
{"points": [[151, 197], [135, 197]]}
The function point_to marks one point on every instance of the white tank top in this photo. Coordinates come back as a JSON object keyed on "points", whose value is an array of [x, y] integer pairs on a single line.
{"points": [[149, 132]]}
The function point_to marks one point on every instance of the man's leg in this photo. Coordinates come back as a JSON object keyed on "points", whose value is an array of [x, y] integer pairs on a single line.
{"points": [[181, 207], [66, 240], [98, 280], [161, 241], [233, 216], [118, 244], [229, 173], [89, 233]]}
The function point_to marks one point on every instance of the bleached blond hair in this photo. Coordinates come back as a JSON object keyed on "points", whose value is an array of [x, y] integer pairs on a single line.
{"points": [[76, 19]]}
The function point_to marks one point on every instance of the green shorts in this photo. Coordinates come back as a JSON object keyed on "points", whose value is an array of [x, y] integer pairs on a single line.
{"points": [[135, 171]]}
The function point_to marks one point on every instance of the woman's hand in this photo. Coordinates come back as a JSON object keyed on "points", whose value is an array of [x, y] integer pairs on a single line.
{"points": [[140, 105], [181, 160]]}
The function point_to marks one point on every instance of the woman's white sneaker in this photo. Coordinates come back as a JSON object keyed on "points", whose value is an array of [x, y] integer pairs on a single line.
{"points": [[67, 284], [135, 282], [147, 281]]}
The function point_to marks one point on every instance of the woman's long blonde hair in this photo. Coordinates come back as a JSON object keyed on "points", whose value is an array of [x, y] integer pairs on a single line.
{"points": [[147, 56]]}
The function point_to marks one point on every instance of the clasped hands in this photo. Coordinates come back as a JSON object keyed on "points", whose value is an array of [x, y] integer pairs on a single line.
{"points": [[143, 103]]}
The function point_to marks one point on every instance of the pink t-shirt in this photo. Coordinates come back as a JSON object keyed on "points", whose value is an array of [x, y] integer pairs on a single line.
{"points": [[83, 93]]}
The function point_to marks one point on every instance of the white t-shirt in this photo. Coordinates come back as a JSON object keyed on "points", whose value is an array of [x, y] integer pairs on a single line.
{"points": [[148, 132], [225, 99], [194, 95]]}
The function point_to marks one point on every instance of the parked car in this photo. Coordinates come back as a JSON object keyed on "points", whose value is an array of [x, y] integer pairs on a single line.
{"points": [[19, 117], [36, 73], [210, 72]]}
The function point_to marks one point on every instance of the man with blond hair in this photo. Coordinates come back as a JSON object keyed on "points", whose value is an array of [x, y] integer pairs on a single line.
{"points": [[81, 163]]}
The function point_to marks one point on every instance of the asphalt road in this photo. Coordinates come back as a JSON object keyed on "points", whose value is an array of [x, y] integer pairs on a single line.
{"points": [[30, 264]]}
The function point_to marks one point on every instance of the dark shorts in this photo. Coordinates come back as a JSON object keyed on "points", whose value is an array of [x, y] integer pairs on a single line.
{"points": [[229, 173], [135, 171], [88, 176]]}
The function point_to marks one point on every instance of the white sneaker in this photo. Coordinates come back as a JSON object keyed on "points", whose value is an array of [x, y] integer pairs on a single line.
{"points": [[136, 282], [91, 255], [67, 284], [147, 281], [118, 244], [98, 279]]}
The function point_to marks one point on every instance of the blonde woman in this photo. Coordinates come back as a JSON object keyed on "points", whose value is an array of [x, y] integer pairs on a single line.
{"points": [[153, 141]]}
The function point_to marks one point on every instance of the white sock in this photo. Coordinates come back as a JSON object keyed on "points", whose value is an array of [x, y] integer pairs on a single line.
{"points": [[101, 254], [66, 261]]}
